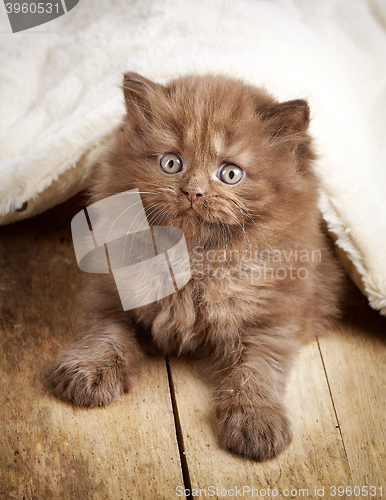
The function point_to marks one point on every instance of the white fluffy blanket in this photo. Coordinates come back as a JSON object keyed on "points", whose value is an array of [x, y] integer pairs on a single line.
{"points": [[60, 96]]}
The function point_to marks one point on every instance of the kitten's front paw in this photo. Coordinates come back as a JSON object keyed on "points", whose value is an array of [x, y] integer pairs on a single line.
{"points": [[88, 382], [259, 433]]}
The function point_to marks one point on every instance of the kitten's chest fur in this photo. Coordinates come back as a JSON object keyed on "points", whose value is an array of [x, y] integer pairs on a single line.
{"points": [[212, 307]]}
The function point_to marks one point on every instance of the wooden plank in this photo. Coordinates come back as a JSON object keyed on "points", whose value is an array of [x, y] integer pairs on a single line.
{"points": [[355, 362], [53, 450], [315, 459]]}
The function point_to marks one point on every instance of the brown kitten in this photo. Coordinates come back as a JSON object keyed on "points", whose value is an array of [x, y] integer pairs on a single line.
{"points": [[263, 277]]}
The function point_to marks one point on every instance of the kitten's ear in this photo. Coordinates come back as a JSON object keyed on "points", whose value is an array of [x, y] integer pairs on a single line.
{"points": [[139, 93], [286, 118]]}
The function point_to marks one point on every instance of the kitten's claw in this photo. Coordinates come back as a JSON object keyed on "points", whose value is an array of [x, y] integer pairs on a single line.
{"points": [[259, 433]]}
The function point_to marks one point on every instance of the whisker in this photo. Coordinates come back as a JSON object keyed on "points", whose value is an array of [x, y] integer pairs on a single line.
{"points": [[138, 222]]}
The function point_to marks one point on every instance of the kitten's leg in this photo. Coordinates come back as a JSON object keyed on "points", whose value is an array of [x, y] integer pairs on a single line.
{"points": [[251, 416], [100, 366]]}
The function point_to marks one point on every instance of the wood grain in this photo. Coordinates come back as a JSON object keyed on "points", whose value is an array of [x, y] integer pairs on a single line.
{"points": [[316, 458], [52, 450], [355, 361], [49, 449]]}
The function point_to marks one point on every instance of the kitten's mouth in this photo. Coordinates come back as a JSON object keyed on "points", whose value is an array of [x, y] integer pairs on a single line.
{"points": [[198, 214], [190, 210], [196, 217], [193, 212]]}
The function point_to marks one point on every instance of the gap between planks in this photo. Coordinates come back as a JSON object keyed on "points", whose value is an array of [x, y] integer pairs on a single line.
{"points": [[305, 464], [179, 434], [337, 398], [332, 401]]}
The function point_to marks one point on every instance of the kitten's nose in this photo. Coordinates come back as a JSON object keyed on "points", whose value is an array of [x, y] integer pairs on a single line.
{"points": [[192, 194]]}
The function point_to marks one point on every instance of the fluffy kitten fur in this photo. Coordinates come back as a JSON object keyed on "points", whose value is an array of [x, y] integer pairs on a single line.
{"points": [[247, 331]]}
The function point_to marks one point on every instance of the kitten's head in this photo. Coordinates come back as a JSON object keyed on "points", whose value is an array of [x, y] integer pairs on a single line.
{"points": [[211, 154]]}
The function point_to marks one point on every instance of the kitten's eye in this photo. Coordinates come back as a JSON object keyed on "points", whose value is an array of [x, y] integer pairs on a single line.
{"points": [[230, 173], [171, 163]]}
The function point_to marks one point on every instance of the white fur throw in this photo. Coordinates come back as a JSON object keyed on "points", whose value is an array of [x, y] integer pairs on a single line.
{"points": [[60, 96]]}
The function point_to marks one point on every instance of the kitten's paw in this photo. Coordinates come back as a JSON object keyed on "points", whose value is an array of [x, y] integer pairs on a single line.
{"points": [[259, 433], [88, 382]]}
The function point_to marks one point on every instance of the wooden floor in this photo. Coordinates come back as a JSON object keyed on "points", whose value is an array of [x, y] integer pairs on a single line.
{"points": [[159, 440]]}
